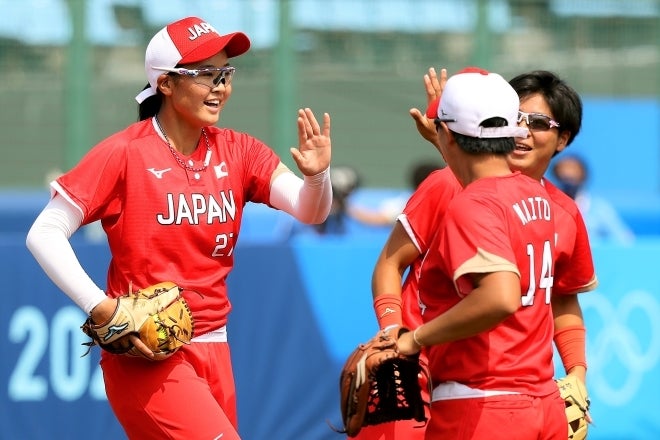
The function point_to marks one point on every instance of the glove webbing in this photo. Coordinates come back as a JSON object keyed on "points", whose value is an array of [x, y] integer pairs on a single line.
{"points": [[395, 393]]}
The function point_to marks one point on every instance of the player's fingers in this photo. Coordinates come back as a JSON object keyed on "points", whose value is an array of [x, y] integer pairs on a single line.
{"points": [[297, 156], [313, 123], [302, 114], [307, 127], [302, 131], [416, 114], [428, 87], [141, 347], [161, 356], [421, 119], [425, 126], [443, 79], [406, 345], [326, 124], [435, 83]]}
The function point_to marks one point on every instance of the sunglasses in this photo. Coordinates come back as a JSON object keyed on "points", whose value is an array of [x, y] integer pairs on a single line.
{"points": [[210, 77], [537, 121]]}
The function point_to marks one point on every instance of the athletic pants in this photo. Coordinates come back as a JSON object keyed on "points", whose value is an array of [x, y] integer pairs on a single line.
{"points": [[188, 396], [506, 417]]}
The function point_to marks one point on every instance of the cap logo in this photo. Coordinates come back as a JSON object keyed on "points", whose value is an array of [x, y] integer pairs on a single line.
{"points": [[200, 29]]}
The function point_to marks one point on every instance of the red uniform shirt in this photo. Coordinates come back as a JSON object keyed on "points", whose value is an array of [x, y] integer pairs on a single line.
{"points": [[574, 267], [495, 224], [421, 218], [166, 223]]}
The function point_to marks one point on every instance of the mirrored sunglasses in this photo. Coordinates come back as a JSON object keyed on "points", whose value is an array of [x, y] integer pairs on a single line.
{"points": [[210, 77], [537, 121]]}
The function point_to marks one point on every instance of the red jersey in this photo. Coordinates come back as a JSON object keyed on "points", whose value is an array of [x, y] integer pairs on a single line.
{"points": [[495, 224], [574, 267], [421, 218], [167, 223]]}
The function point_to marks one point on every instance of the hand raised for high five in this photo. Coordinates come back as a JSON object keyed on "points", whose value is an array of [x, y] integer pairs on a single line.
{"points": [[423, 121], [314, 147]]}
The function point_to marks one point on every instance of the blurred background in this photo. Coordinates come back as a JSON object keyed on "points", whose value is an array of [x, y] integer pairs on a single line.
{"points": [[70, 71]]}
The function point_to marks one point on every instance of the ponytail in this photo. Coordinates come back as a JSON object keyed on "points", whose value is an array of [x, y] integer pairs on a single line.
{"points": [[150, 106]]}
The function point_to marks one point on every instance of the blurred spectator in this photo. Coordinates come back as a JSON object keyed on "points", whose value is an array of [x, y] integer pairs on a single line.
{"points": [[344, 180], [602, 219], [389, 209]]}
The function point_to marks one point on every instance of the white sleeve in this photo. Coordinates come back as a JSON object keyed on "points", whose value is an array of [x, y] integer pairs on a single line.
{"points": [[308, 199], [48, 240]]}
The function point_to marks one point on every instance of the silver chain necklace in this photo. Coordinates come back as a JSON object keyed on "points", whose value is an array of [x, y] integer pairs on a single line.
{"points": [[176, 155]]}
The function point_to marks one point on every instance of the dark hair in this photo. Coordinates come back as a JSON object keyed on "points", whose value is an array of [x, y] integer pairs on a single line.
{"points": [[421, 171], [564, 102], [499, 146], [150, 106]]}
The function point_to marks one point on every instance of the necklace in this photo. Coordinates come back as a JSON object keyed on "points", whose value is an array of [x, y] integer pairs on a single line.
{"points": [[176, 155]]}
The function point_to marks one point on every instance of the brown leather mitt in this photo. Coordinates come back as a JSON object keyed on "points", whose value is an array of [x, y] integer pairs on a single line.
{"points": [[379, 385], [158, 314]]}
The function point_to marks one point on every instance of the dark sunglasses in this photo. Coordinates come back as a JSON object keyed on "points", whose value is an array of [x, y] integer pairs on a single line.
{"points": [[537, 121]]}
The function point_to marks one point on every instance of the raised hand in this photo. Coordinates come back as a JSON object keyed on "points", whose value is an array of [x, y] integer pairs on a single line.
{"points": [[433, 87], [314, 147]]}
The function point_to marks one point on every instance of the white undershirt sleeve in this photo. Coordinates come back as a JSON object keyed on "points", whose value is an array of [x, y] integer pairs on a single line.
{"points": [[308, 199], [48, 240]]}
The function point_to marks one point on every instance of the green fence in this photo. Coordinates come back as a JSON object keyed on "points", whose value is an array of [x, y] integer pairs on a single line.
{"points": [[59, 98]]}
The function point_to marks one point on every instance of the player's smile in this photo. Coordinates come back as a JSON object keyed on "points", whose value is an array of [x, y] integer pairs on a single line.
{"points": [[214, 105], [525, 153], [521, 148], [526, 156]]}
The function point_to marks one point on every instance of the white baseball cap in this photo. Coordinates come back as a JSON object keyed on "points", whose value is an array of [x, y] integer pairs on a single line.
{"points": [[186, 41], [474, 95]]}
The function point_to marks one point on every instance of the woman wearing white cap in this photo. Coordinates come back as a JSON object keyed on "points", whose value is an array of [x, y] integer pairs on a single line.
{"points": [[169, 191]]}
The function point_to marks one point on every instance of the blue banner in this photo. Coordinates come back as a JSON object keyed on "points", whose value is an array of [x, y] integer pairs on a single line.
{"points": [[299, 308]]}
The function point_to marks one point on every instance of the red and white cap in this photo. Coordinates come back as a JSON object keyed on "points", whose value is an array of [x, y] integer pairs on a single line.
{"points": [[473, 95], [186, 41]]}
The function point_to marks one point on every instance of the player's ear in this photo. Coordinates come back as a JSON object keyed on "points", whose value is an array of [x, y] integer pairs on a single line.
{"points": [[562, 141], [165, 83], [444, 133]]}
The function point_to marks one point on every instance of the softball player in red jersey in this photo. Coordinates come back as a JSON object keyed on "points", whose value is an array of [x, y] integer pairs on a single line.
{"points": [[509, 234], [169, 191], [409, 239], [485, 282]]}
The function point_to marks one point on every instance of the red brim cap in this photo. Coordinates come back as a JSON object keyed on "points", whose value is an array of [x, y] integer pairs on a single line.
{"points": [[432, 109], [234, 44]]}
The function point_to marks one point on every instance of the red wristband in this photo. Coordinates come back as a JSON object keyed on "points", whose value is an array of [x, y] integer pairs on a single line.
{"points": [[570, 343], [388, 309]]}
